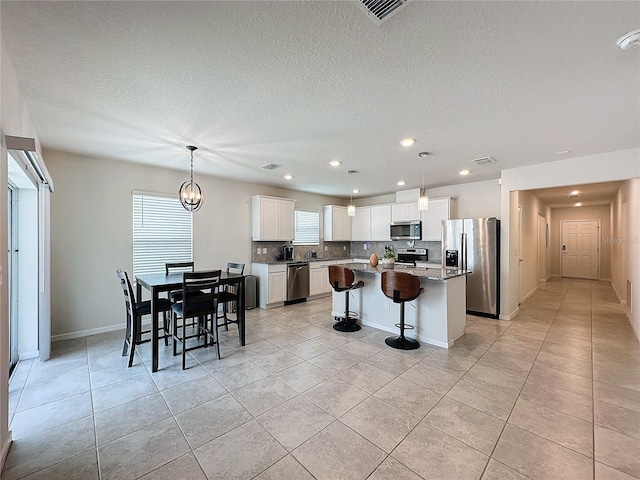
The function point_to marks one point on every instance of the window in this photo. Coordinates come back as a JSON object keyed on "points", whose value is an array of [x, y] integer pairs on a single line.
{"points": [[162, 233], [307, 228]]}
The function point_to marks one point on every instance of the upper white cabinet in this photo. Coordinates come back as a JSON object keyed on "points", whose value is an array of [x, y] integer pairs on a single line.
{"points": [[439, 209], [361, 225], [380, 222], [272, 218], [405, 212], [337, 224]]}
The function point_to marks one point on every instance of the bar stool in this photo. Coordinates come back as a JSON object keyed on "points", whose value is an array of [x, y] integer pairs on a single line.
{"points": [[401, 287], [342, 280]]}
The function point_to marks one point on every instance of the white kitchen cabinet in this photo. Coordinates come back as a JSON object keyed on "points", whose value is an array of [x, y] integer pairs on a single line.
{"points": [[439, 209], [337, 224], [405, 212], [380, 221], [272, 284], [272, 218], [361, 225], [319, 278]]}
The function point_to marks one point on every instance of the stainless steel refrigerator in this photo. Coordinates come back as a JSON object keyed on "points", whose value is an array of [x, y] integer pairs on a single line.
{"points": [[474, 244]]}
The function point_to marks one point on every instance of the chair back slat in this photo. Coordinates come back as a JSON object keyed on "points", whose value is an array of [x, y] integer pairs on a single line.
{"points": [[340, 277], [235, 268], [400, 286], [129, 298], [178, 267], [201, 287]]}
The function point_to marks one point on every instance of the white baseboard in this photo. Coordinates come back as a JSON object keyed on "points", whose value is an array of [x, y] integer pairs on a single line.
{"points": [[5, 450], [422, 338], [28, 355], [528, 295], [511, 316], [86, 333]]}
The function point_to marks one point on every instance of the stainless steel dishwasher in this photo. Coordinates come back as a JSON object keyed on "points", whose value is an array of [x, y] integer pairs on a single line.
{"points": [[297, 282]]}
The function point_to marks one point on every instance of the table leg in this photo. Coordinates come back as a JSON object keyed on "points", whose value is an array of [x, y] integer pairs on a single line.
{"points": [[154, 330], [241, 311]]}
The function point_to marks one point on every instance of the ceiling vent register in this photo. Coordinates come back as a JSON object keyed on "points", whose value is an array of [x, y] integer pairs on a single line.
{"points": [[484, 160], [381, 10], [270, 166]]}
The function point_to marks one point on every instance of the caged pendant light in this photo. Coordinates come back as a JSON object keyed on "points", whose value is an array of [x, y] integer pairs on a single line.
{"points": [[351, 208], [423, 201], [190, 192]]}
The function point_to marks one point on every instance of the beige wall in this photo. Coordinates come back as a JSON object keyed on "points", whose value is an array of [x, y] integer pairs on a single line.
{"points": [[14, 120], [91, 231], [625, 248], [532, 206], [600, 212]]}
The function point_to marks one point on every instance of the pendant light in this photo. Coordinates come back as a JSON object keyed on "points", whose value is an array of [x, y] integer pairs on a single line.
{"points": [[190, 192], [351, 208], [423, 201]]}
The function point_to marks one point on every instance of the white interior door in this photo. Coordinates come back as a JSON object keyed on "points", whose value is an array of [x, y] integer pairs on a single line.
{"points": [[580, 246]]}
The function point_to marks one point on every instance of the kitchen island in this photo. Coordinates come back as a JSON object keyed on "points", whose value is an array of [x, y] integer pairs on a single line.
{"points": [[439, 314]]}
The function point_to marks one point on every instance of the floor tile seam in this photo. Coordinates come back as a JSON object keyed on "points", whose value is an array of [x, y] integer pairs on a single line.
{"points": [[93, 449], [613, 467], [503, 369]]}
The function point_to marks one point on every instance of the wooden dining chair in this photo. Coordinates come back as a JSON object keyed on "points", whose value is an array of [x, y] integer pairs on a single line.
{"points": [[177, 267], [229, 296], [200, 302], [134, 313]]}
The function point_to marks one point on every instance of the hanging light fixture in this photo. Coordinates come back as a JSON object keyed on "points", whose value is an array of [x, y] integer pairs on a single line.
{"points": [[190, 192], [423, 201], [351, 208]]}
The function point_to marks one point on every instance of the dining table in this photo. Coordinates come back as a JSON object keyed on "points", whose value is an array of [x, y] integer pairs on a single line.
{"points": [[158, 283]]}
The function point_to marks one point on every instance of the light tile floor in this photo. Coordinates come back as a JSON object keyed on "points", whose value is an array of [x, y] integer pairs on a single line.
{"points": [[554, 394]]}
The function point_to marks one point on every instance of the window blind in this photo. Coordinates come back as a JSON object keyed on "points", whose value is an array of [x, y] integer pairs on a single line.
{"points": [[162, 233], [307, 228]]}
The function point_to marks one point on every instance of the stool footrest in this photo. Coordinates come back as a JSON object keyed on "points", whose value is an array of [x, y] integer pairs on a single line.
{"points": [[406, 327]]}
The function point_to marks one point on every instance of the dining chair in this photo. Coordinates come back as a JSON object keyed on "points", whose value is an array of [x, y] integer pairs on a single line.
{"points": [[199, 302], [177, 267], [135, 311], [229, 295]]}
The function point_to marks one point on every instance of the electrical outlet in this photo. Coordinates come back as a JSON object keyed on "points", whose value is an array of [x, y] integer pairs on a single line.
{"points": [[344, 247], [326, 248], [258, 251], [264, 249], [386, 304]]}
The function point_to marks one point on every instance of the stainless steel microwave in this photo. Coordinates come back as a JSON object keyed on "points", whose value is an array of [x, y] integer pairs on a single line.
{"points": [[406, 230]]}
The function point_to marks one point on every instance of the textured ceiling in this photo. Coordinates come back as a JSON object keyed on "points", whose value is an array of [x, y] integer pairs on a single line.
{"points": [[302, 83]]}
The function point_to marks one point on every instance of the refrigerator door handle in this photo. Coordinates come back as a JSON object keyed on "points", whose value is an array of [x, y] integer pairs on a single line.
{"points": [[466, 249], [462, 264]]}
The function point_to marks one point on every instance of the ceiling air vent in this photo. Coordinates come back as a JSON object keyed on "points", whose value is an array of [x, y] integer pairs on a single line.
{"points": [[484, 160], [381, 10], [270, 166]]}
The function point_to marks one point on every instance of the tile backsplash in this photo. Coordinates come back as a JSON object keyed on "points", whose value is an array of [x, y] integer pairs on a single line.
{"points": [[340, 250], [333, 250]]}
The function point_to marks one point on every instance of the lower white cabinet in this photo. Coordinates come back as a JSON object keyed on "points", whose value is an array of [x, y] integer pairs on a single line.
{"points": [[272, 284], [319, 278]]}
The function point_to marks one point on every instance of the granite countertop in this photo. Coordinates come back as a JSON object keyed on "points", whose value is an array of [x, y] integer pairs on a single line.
{"points": [[427, 273]]}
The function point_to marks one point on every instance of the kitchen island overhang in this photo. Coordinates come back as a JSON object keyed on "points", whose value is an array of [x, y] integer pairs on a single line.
{"points": [[438, 315]]}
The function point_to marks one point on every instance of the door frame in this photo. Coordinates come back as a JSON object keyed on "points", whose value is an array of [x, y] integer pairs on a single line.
{"points": [[598, 246]]}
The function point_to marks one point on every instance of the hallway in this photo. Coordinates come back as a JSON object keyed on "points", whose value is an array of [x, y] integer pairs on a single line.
{"points": [[554, 394]]}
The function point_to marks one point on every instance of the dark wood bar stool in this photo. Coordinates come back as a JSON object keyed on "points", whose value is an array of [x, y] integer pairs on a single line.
{"points": [[401, 287], [342, 280]]}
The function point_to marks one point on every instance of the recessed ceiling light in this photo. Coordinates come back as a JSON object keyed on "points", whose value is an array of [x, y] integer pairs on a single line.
{"points": [[629, 40], [407, 142], [575, 192], [464, 172], [355, 190], [562, 152], [288, 177], [578, 204], [335, 163], [401, 182]]}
